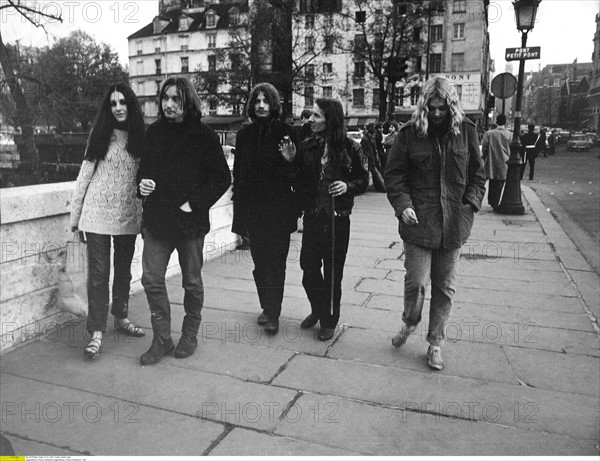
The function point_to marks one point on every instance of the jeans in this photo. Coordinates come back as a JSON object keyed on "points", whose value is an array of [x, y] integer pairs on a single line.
{"points": [[155, 258], [316, 264], [441, 267], [98, 247], [269, 248]]}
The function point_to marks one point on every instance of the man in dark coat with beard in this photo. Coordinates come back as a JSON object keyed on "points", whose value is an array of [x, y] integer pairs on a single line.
{"points": [[263, 197]]}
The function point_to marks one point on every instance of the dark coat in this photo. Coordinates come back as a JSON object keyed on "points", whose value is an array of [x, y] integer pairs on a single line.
{"points": [[531, 139], [444, 182], [193, 168], [350, 170], [263, 179]]}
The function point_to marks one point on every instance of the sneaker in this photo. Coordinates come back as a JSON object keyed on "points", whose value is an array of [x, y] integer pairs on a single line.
{"points": [[434, 357], [272, 326], [403, 335], [309, 322], [262, 319], [159, 348], [186, 346]]}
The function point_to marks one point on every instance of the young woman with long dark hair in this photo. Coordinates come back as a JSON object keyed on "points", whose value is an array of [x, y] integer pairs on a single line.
{"points": [[105, 206]]}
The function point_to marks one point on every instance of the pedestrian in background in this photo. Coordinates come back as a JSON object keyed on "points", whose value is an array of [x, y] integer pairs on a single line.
{"points": [[435, 182], [330, 175], [183, 172], [530, 149], [369, 148], [304, 131], [495, 147], [105, 206], [389, 141], [263, 197], [552, 143]]}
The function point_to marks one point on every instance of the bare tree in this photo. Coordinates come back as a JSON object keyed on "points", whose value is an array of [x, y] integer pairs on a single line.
{"points": [[384, 31], [24, 117]]}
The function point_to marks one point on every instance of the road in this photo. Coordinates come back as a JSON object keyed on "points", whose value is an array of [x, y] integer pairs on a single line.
{"points": [[569, 185]]}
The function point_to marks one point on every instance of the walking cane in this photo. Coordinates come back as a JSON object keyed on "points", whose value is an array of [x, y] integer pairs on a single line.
{"points": [[332, 251]]}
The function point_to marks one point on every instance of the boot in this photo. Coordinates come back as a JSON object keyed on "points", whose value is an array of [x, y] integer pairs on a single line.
{"points": [[162, 344], [186, 346]]}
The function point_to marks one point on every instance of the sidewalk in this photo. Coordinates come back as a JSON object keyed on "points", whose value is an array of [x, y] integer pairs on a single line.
{"points": [[521, 377]]}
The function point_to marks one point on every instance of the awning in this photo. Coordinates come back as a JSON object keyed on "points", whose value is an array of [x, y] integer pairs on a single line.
{"points": [[359, 122]]}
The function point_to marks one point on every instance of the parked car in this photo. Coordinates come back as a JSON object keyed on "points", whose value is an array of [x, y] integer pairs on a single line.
{"points": [[579, 141]]}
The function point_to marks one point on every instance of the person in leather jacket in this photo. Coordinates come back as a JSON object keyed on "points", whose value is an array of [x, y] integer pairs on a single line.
{"points": [[330, 175]]}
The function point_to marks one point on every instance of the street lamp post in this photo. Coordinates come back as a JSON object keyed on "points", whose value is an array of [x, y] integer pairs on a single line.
{"points": [[525, 11]]}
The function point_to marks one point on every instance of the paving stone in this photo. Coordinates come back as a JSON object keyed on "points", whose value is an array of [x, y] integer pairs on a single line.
{"points": [[556, 371], [32, 448], [390, 432], [86, 422], [163, 386], [463, 358], [517, 406], [242, 442]]}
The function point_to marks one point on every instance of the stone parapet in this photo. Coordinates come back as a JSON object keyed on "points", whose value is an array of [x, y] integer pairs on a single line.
{"points": [[34, 229]]}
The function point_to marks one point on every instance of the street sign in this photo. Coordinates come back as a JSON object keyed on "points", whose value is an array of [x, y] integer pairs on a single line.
{"points": [[516, 54], [504, 85]]}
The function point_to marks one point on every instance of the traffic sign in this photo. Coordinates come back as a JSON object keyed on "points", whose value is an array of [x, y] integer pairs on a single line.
{"points": [[504, 85], [516, 54]]}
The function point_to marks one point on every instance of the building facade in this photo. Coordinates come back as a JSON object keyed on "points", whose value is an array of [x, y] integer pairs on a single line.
{"points": [[593, 96], [442, 37]]}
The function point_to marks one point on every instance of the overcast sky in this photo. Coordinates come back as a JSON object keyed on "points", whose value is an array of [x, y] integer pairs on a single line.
{"points": [[564, 29]]}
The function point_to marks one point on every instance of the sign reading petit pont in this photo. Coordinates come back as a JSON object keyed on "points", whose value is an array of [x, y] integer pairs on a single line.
{"points": [[516, 54]]}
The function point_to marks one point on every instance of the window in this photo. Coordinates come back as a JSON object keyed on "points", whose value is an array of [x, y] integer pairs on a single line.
{"points": [[211, 20], [310, 71], [436, 33], [309, 21], [435, 62], [327, 68], [556, 82], [309, 92], [183, 42], [185, 64], [212, 63], [417, 34], [157, 45], [212, 40], [234, 17], [328, 43], [360, 44], [140, 67], [459, 6], [185, 22], [212, 106], [415, 92], [359, 69], [457, 63], [418, 63], [459, 31], [360, 17], [158, 84], [309, 43], [375, 97], [399, 95], [358, 97], [138, 45], [327, 92], [459, 91], [236, 61], [158, 68]]}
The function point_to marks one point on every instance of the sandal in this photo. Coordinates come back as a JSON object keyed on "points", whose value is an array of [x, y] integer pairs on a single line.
{"points": [[129, 328], [93, 348]]}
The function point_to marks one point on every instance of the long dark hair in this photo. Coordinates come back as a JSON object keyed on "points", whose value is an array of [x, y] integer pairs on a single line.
{"points": [[103, 125], [272, 97], [335, 131], [189, 98]]}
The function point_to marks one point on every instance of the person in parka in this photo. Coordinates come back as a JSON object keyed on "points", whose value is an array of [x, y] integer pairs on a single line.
{"points": [[435, 182]]}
